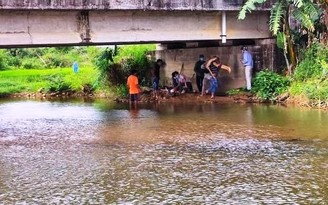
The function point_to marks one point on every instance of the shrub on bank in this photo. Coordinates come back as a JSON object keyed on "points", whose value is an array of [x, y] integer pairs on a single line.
{"points": [[311, 76], [267, 85], [314, 63]]}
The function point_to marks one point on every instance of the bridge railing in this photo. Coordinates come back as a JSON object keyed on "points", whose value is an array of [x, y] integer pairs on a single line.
{"points": [[215, 5]]}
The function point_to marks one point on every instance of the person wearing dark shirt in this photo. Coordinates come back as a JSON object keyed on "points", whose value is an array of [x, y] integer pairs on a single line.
{"points": [[157, 67], [199, 70], [213, 66]]}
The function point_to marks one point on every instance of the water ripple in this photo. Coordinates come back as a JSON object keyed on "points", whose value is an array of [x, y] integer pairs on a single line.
{"points": [[112, 157]]}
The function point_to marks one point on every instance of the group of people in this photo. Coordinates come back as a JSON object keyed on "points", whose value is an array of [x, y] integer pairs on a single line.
{"points": [[206, 76]]}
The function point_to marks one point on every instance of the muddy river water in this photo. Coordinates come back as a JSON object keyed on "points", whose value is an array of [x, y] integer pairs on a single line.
{"points": [[96, 152]]}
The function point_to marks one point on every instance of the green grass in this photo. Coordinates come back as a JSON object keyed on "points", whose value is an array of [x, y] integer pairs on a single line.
{"points": [[32, 80]]}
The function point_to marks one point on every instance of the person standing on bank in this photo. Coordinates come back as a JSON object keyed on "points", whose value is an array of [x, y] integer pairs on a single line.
{"points": [[213, 66], [157, 67], [199, 70], [133, 86], [247, 62]]}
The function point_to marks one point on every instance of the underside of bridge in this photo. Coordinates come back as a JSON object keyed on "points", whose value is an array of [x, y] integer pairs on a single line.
{"points": [[26, 28]]}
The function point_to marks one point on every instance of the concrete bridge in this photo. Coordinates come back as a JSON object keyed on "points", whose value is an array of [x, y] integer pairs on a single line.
{"points": [[183, 28], [85, 22]]}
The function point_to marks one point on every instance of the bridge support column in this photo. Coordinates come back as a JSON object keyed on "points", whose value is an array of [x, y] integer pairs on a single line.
{"points": [[224, 27]]}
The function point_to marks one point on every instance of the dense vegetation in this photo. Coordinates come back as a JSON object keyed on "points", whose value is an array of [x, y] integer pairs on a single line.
{"points": [[46, 58], [310, 82], [308, 85], [50, 69], [115, 64], [46, 69], [304, 48], [46, 80]]}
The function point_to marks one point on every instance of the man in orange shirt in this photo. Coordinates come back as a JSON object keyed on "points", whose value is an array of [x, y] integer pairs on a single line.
{"points": [[133, 85]]}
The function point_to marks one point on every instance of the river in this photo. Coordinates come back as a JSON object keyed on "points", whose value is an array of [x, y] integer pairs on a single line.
{"points": [[96, 152]]}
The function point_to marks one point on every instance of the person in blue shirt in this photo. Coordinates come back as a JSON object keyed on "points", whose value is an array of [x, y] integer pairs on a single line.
{"points": [[247, 61]]}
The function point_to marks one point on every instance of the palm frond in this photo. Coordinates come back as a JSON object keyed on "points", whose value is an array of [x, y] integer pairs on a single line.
{"points": [[277, 13], [304, 19], [250, 5]]}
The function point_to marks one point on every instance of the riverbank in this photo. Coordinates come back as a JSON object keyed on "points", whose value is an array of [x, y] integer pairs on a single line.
{"points": [[64, 83], [145, 97], [187, 98]]}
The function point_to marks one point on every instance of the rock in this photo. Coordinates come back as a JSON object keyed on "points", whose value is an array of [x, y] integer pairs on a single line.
{"points": [[283, 97]]}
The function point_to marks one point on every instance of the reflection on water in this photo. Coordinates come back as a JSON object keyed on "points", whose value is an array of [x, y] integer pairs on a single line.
{"points": [[101, 153]]}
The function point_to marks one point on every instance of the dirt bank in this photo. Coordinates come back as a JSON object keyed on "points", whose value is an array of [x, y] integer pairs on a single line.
{"points": [[193, 98]]}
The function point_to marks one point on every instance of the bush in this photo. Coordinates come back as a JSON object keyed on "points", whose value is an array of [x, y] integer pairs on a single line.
{"points": [[3, 60], [135, 57], [268, 85], [314, 63], [56, 83], [44, 58], [310, 77], [115, 65], [31, 63], [311, 89]]}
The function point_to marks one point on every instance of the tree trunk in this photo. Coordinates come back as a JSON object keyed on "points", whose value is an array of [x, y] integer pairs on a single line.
{"points": [[290, 45]]}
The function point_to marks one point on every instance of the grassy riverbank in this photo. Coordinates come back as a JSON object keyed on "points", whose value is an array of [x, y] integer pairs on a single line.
{"points": [[47, 80]]}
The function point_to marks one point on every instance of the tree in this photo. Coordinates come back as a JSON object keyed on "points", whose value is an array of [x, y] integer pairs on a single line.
{"points": [[305, 12]]}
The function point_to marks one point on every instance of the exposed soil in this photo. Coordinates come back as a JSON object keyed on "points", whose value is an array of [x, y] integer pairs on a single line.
{"points": [[164, 96]]}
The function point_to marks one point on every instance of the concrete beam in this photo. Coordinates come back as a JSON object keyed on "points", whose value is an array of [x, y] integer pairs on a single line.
{"points": [[33, 28]]}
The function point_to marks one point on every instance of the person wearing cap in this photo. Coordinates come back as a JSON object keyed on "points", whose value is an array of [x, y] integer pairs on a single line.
{"points": [[199, 69], [247, 61]]}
